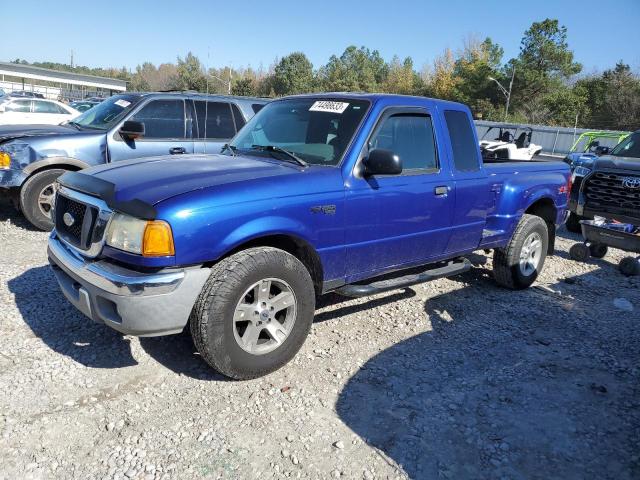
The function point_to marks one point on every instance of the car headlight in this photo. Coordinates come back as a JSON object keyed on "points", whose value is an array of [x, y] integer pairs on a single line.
{"points": [[150, 238]]}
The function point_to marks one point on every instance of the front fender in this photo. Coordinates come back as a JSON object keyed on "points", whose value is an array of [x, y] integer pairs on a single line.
{"points": [[55, 161], [263, 227]]}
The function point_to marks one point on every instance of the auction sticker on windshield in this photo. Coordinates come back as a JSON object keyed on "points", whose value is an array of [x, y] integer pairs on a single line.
{"points": [[328, 106], [122, 103]]}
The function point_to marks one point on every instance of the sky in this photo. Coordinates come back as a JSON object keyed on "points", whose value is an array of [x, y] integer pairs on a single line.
{"points": [[252, 33]]}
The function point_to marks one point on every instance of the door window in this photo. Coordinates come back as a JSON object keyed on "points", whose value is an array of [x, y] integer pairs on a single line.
{"points": [[463, 143], [22, 106], [410, 136], [40, 106], [214, 120], [162, 119]]}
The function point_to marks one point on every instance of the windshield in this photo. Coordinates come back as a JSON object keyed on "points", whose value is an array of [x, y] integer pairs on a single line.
{"points": [[629, 147], [107, 113], [317, 130]]}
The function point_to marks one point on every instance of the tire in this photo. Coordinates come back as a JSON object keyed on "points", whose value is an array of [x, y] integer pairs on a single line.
{"points": [[598, 250], [517, 265], [32, 203], [217, 319], [573, 223], [629, 266], [580, 252]]}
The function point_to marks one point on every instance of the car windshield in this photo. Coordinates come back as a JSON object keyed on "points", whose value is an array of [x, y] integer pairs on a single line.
{"points": [[316, 130], [629, 147], [107, 113]]}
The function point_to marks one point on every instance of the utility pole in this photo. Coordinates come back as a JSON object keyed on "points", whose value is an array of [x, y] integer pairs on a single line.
{"points": [[505, 92], [71, 58]]}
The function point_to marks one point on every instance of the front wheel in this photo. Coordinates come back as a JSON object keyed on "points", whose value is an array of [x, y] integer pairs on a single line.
{"points": [[518, 264], [37, 197], [254, 312]]}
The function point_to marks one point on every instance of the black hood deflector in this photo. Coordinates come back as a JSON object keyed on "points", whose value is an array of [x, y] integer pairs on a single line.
{"points": [[104, 190]]}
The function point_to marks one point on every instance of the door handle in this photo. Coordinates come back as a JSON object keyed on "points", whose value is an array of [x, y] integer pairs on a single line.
{"points": [[441, 191], [177, 150]]}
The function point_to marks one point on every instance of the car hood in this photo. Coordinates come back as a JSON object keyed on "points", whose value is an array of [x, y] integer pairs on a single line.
{"points": [[156, 179], [10, 132]]}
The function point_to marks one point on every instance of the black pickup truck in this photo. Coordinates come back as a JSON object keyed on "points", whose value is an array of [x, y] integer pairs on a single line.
{"points": [[610, 185]]}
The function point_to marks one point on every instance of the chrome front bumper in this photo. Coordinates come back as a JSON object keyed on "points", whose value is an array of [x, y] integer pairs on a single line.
{"points": [[132, 302]]}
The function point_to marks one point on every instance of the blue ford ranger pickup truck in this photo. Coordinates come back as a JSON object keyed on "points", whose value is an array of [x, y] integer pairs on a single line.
{"points": [[126, 126], [345, 193]]}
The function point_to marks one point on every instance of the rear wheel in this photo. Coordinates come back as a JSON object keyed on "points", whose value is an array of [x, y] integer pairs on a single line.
{"points": [[254, 312], [518, 264], [37, 197]]}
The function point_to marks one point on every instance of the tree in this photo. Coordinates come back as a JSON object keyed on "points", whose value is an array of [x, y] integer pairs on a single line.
{"points": [[189, 74], [294, 74], [475, 66], [401, 77], [356, 70], [442, 81], [244, 87], [544, 66]]}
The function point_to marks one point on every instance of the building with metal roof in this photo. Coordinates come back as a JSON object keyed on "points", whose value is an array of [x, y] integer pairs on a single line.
{"points": [[55, 83]]}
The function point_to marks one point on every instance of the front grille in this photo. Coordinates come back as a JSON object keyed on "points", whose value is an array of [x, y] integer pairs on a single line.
{"points": [[606, 191], [78, 229]]}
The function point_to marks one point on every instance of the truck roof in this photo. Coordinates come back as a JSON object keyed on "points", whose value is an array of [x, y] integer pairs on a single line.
{"points": [[374, 97]]}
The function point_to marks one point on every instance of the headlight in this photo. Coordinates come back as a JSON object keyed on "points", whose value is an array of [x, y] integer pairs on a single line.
{"points": [[151, 238], [581, 171]]}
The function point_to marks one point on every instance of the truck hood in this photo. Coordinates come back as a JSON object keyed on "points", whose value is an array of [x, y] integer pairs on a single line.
{"points": [[10, 132], [152, 180], [610, 162]]}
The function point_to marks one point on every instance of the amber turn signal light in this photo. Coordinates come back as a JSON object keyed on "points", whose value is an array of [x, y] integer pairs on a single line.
{"points": [[157, 240], [5, 160]]}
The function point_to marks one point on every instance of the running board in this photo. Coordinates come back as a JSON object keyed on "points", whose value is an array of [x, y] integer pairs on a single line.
{"points": [[360, 290]]}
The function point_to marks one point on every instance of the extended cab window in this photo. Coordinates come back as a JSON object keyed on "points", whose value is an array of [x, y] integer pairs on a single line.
{"points": [[214, 120], [162, 119], [409, 136], [463, 144]]}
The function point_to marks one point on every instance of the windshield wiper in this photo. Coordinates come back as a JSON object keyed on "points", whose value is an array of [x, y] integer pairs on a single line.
{"points": [[275, 148], [232, 148], [77, 125]]}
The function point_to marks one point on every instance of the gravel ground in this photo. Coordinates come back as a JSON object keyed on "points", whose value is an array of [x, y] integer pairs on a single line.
{"points": [[455, 378]]}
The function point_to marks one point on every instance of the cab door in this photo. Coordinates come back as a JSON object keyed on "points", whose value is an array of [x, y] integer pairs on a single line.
{"points": [[166, 132], [472, 192], [395, 220]]}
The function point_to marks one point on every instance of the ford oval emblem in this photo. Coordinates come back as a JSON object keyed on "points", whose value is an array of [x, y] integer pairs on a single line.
{"points": [[68, 219], [631, 182]]}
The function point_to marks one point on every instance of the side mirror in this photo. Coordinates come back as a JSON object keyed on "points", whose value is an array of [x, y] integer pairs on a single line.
{"points": [[132, 129], [382, 162], [601, 150]]}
